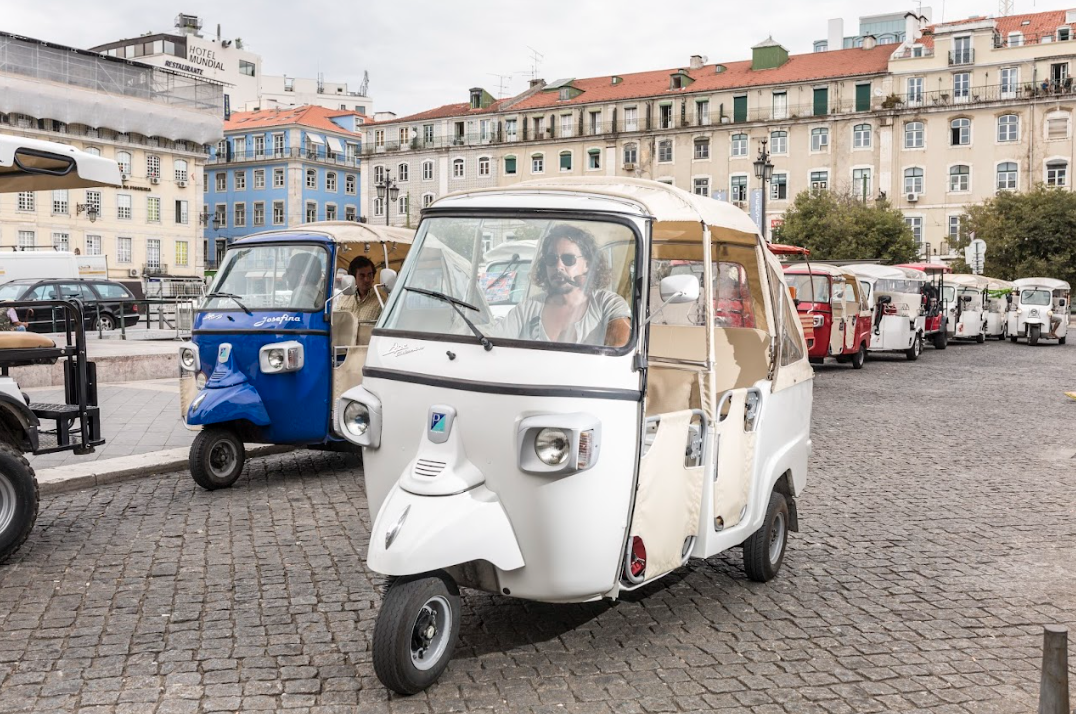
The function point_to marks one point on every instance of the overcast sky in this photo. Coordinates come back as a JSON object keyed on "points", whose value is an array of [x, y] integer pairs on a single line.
{"points": [[422, 54]]}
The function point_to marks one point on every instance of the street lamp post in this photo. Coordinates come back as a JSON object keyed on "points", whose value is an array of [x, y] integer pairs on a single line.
{"points": [[89, 209], [764, 172], [387, 188]]}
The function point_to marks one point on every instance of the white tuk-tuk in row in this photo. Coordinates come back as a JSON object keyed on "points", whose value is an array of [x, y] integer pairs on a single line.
{"points": [[997, 295], [611, 426], [1040, 310], [965, 300], [896, 298]]}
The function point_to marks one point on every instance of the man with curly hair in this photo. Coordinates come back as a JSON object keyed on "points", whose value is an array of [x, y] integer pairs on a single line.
{"points": [[575, 305]]}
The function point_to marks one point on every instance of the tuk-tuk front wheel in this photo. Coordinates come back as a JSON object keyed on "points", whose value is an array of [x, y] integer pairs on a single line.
{"points": [[216, 458], [913, 352], [764, 550], [980, 338], [860, 356], [941, 339], [1033, 334], [18, 499], [416, 631], [1012, 339]]}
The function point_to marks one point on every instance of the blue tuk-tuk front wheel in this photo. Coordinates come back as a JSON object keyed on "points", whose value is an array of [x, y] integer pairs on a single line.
{"points": [[216, 457]]}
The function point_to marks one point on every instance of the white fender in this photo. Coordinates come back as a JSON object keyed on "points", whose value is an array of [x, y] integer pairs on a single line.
{"points": [[441, 531]]}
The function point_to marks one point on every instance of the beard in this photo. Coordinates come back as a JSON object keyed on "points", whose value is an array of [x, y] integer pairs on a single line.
{"points": [[561, 284]]}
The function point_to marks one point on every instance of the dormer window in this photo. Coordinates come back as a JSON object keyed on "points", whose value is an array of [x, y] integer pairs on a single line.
{"points": [[1064, 34], [476, 99], [679, 80], [565, 94], [1016, 39]]}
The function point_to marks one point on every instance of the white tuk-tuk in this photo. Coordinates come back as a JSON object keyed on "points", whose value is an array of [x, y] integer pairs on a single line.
{"points": [[617, 422], [998, 295], [965, 301], [895, 296], [1040, 310]]}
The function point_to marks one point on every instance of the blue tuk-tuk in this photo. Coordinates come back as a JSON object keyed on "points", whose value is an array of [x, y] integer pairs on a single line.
{"points": [[271, 348]]}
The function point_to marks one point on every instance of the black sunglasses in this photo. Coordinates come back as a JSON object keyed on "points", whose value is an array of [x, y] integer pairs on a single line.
{"points": [[569, 259]]}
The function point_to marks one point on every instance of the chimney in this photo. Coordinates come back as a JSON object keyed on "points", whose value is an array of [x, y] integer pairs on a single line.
{"points": [[535, 83], [912, 29], [696, 61], [836, 34], [869, 42]]}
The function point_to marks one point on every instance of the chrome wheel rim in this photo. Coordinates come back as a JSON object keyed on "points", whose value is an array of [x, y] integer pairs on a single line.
{"points": [[7, 502], [430, 632], [222, 458], [777, 537]]}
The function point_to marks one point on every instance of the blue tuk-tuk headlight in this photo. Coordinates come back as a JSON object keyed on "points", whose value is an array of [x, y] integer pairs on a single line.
{"points": [[281, 357], [188, 357]]}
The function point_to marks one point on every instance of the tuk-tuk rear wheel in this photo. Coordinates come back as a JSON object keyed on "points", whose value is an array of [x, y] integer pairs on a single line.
{"points": [[764, 550], [913, 352], [860, 356], [1012, 339], [980, 338], [18, 499], [416, 631], [216, 458]]}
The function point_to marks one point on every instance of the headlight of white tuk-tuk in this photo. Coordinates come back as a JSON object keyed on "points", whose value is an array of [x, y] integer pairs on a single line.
{"points": [[357, 416], [281, 357], [1033, 313], [558, 443], [188, 357]]}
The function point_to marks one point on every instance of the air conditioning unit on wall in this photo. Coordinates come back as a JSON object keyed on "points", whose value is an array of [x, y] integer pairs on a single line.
{"points": [[912, 197], [629, 166], [154, 180], [133, 272], [181, 184]]}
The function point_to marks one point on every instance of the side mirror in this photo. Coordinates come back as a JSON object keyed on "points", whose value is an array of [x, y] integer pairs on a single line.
{"points": [[792, 292], [343, 285], [678, 289], [388, 278], [966, 298], [1061, 302]]}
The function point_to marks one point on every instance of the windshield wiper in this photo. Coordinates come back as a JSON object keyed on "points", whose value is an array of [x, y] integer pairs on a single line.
{"points": [[234, 297], [515, 260], [456, 303]]}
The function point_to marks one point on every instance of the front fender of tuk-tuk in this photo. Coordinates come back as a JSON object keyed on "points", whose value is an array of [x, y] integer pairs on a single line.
{"points": [[225, 404], [417, 534]]}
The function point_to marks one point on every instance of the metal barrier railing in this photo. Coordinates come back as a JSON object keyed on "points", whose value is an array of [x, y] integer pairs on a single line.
{"points": [[174, 314]]}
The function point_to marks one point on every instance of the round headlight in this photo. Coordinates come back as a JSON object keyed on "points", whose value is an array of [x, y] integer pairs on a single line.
{"points": [[200, 380], [186, 358], [356, 418], [551, 446], [275, 358]]}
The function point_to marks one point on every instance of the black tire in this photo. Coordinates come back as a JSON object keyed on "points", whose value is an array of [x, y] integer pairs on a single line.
{"points": [[940, 339], [860, 356], [401, 637], [105, 322], [1033, 334], [913, 352], [1012, 339], [1061, 340], [18, 500], [216, 458], [764, 550], [980, 338]]}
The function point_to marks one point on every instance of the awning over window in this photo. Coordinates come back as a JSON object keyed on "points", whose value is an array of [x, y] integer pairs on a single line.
{"points": [[335, 144], [315, 139]]}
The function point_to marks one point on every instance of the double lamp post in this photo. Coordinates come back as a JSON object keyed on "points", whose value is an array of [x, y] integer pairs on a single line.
{"points": [[387, 188], [764, 172]]}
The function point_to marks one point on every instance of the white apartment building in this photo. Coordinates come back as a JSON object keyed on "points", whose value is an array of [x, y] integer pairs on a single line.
{"points": [[153, 122], [230, 63], [945, 119]]}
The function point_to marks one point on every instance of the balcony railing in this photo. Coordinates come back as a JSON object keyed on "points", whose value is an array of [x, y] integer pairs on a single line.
{"points": [[155, 269], [978, 95], [319, 155], [959, 57]]}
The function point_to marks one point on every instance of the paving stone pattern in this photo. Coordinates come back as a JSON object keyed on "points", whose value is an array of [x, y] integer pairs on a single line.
{"points": [[937, 538], [135, 420]]}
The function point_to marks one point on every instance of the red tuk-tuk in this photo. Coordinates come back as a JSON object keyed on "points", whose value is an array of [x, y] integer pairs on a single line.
{"points": [[936, 327], [832, 300]]}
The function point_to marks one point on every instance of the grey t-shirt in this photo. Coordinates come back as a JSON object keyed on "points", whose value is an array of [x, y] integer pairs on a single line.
{"points": [[524, 322]]}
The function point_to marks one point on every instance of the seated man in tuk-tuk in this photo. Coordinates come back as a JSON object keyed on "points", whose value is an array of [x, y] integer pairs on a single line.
{"points": [[575, 305], [364, 304]]}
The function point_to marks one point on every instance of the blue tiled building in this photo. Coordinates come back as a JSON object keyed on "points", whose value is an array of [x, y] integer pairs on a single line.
{"points": [[280, 168]]}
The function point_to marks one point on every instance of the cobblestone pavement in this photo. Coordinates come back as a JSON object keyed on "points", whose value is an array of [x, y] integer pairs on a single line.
{"points": [[938, 536], [136, 418]]}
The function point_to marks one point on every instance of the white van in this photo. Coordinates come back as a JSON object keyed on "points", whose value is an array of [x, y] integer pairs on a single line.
{"points": [[37, 264]]}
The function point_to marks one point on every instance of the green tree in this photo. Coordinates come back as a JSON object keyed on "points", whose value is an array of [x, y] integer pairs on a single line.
{"points": [[1027, 234], [840, 226]]}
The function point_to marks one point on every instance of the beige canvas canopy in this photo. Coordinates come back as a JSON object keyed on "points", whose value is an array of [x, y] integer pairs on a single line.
{"points": [[386, 246], [35, 165]]}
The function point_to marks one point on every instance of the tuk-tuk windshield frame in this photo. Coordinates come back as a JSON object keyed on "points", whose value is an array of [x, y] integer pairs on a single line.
{"points": [[1030, 296], [440, 248], [303, 263]]}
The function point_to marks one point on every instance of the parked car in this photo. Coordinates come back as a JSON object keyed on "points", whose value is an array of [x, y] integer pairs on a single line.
{"points": [[101, 302]]}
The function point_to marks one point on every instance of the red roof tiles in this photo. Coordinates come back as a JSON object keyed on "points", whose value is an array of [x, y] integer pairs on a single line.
{"points": [[311, 116], [1038, 25]]}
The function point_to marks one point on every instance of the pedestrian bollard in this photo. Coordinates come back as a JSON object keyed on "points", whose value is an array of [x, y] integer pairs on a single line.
{"points": [[1054, 685]]}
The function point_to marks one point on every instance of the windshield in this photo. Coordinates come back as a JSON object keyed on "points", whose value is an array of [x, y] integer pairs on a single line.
{"points": [[948, 293], [11, 292], [1035, 297], [809, 288], [271, 277], [578, 291]]}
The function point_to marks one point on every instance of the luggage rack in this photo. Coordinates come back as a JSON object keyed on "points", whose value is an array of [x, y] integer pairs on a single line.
{"points": [[76, 423]]}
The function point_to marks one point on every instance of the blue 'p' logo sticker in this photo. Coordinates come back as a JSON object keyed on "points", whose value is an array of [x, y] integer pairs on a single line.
{"points": [[440, 421], [437, 422]]}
